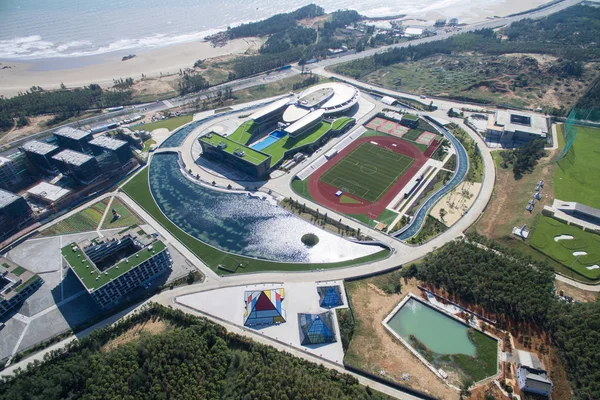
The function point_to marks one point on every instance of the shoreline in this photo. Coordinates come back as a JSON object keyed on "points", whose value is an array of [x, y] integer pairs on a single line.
{"points": [[101, 69]]}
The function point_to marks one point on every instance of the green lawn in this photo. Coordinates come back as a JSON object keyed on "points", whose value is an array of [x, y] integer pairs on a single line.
{"points": [[277, 150], [127, 218], [170, 123], [368, 171], [576, 178], [138, 189], [485, 363], [84, 221], [301, 187], [340, 123], [348, 200], [548, 229], [244, 132], [148, 144]]}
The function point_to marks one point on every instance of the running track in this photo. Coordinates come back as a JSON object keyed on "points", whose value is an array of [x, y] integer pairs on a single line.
{"points": [[324, 194]]}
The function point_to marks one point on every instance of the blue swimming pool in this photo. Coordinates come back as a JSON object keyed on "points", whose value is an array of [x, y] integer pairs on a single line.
{"points": [[269, 140]]}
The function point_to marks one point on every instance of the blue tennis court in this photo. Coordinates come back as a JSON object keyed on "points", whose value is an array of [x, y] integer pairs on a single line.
{"points": [[269, 140]]}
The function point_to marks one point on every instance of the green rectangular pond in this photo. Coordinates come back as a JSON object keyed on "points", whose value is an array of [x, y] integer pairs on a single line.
{"points": [[438, 332]]}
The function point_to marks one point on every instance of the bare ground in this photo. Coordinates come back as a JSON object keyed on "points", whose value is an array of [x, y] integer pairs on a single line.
{"points": [[575, 292], [36, 124], [506, 209], [375, 350], [152, 327]]}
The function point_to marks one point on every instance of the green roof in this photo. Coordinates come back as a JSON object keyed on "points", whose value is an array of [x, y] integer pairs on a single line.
{"points": [[250, 155], [244, 132], [410, 117], [278, 149], [340, 123], [82, 265]]}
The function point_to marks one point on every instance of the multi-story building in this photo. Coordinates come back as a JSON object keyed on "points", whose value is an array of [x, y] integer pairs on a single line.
{"points": [[244, 158], [11, 176], [73, 139], [111, 267], [40, 155], [114, 149], [14, 213], [410, 120], [16, 284], [515, 127], [81, 167]]}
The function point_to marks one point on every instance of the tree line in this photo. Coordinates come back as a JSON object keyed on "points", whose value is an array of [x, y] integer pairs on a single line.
{"points": [[560, 35], [520, 291], [192, 359], [66, 103]]}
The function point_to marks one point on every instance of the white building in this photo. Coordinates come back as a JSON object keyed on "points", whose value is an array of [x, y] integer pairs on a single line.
{"points": [[511, 126]]}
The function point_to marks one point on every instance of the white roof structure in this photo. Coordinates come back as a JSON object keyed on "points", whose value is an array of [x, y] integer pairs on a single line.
{"points": [[271, 108], [72, 157], [71, 133], [48, 192], [7, 198], [413, 31], [108, 143], [511, 121], [37, 147], [388, 100], [333, 97], [303, 122]]}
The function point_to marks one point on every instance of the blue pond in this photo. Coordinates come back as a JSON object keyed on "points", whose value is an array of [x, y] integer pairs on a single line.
{"points": [[269, 140], [241, 224]]}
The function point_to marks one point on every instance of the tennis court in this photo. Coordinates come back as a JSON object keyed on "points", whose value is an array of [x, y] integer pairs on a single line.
{"points": [[368, 172]]}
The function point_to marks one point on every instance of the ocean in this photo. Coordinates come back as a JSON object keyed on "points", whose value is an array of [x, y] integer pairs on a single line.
{"points": [[41, 29]]}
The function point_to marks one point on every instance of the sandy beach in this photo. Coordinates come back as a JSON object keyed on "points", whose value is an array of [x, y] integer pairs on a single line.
{"points": [[17, 76], [166, 60]]}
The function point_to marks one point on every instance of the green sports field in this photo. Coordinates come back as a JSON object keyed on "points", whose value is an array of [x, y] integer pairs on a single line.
{"points": [[368, 171], [543, 239], [576, 178]]}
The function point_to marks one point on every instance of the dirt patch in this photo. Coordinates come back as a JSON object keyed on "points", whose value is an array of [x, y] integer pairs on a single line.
{"points": [[372, 348], [575, 292], [155, 86], [147, 328], [506, 208], [456, 203], [36, 124]]}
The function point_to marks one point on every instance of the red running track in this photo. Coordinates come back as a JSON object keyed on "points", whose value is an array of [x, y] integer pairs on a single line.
{"points": [[325, 194]]}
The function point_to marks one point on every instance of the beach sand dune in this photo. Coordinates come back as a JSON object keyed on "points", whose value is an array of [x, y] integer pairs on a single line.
{"points": [[167, 60]]}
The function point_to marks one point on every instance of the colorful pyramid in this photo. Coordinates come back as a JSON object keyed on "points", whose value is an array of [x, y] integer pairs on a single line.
{"points": [[316, 328], [264, 307]]}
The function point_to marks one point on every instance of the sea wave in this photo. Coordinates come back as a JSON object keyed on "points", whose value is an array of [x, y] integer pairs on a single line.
{"points": [[35, 47]]}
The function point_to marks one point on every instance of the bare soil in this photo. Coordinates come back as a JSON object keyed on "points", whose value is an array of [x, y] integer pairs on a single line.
{"points": [[147, 328], [36, 124], [506, 208], [373, 349], [575, 292], [155, 87]]}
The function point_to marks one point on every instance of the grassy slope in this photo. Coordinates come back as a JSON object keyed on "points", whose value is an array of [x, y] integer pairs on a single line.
{"points": [[576, 178], [171, 123], [243, 133], [278, 149], [84, 221], [139, 191], [128, 218], [562, 251]]}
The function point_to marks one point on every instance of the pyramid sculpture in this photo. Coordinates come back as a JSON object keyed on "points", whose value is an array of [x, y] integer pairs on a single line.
{"points": [[316, 328], [264, 307], [330, 296]]}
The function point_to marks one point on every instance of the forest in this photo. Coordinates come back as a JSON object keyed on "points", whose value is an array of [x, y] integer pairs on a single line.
{"points": [[520, 291], [525, 158], [193, 359], [288, 42], [65, 103], [559, 35]]}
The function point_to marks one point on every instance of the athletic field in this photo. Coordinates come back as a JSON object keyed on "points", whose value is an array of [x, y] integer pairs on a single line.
{"points": [[368, 171]]}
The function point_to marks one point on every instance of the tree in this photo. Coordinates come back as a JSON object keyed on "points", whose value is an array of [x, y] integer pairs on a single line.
{"points": [[465, 387], [442, 214]]}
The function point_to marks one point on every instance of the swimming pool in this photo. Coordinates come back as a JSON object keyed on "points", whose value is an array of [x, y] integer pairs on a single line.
{"points": [[269, 140]]}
